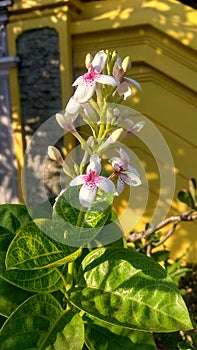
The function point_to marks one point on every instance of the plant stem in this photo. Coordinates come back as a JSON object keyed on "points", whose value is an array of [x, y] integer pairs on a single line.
{"points": [[69, 280], [80, 219]]}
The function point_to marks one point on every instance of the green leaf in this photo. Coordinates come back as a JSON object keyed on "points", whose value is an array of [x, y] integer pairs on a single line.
{"points": [[99, 336], [77, 226], [32, 249], [192, 189], [40, 323], [185, 346], [161, 255], [10, 297], [48, 280], [67, 206], [13, 216], [126, 288], [186, 197]]}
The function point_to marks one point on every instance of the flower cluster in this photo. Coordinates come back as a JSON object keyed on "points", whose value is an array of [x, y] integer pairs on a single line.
{"points": [[96, 100]]}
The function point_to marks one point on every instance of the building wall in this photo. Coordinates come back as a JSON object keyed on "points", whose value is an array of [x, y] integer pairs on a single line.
{"points": [[160, 38], [40, 97]]}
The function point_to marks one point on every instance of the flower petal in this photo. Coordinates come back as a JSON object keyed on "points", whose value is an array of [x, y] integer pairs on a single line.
{"points": [[87, 195], [106, 185], [130, 178], [78, 81], [106, 79], [73, 107], [138, 127], [128, 93], [123, 87], [124, 159], [79, 180], [117, 163], [99, 61], [118, 72], [133, 170], [84, 92], [120, 185], [134, 83], [94, 165]]}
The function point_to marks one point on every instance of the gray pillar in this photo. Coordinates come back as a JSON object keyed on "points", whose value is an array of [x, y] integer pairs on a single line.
{"points": [[8, 169]]}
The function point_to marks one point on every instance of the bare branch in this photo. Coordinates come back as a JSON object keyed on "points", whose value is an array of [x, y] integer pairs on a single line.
{"points": [[170, 232], [187, 216]]}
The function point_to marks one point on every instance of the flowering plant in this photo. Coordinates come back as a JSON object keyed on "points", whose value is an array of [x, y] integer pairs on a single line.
{"points": [[72, 276]]}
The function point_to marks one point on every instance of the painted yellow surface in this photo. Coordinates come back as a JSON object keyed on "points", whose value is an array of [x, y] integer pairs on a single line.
{"points": [[160, 36]]}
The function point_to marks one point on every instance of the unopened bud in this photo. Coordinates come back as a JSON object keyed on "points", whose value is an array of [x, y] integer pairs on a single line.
{"points": [[114, 55], [115, 135], [61, 120], [88, 60], [126, 64], [54, 154]]}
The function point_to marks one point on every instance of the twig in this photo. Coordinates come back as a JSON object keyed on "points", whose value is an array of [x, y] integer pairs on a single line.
{"points": [[187, 216]]}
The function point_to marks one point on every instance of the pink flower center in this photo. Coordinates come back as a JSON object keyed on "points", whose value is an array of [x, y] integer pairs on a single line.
{"points": [[90, 76], [91, 178]]}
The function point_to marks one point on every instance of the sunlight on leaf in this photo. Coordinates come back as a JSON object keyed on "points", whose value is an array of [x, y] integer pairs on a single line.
{"points": [[126, 288]]}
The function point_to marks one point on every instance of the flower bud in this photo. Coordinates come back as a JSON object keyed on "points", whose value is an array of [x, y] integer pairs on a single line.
{"points": [[126, 64], [114, 55], [61, 120], [115, 135], [88, 60], [54, 154]]}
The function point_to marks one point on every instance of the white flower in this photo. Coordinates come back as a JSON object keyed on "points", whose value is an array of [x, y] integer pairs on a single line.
{"points": [[126, 173], [87, 83], [72, 111], [91, 181], [125, 86], [133, 128]]}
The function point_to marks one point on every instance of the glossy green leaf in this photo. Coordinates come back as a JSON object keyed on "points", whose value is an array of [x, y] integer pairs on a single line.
{"points": [[48, 280], [13, 216], [68, 208], [186, 197], [126, 288], [99, 336], [77, 226], [10, 297], [40, 323], [32, 249]]}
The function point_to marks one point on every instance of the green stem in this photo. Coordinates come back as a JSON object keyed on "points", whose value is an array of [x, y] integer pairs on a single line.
{"points": [[101, 131], [69, 280], [80, 219]]}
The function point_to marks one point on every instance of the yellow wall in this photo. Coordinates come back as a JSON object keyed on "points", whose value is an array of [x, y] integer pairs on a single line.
{"points": [[160, 38]]}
